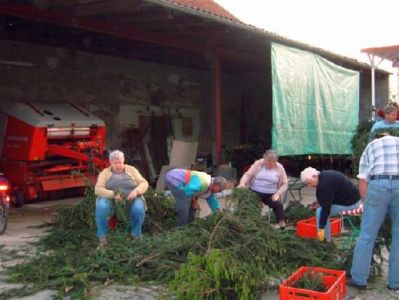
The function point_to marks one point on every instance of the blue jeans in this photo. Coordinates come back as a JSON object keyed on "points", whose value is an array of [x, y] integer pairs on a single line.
{"points": [[334, 211], [104, 210], [184, 209], [382, 199]]}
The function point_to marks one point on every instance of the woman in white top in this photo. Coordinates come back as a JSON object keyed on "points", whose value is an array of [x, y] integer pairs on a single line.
{"points": [[267, 178]]}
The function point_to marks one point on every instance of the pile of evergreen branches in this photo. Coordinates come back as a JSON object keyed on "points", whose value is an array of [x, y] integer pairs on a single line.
{"points": [[232, 254]]}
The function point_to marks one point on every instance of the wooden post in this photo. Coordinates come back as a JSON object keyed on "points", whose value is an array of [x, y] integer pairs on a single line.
{"points": [[217, 84]]}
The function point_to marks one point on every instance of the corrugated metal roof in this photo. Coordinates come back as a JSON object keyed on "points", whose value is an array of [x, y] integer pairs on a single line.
{"points": [[388, 52]]}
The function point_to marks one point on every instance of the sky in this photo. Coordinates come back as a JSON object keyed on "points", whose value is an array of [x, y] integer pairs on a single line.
{"points": [[340, 26]]}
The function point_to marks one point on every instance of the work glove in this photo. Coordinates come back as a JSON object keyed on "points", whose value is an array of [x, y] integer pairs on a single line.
{"points": [[320, 234]]}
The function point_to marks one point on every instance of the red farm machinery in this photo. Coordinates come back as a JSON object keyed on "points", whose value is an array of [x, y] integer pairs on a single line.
{"points": [[49, 149]]}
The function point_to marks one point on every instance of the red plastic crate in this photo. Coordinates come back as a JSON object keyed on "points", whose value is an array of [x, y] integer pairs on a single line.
{"points": [[334, 280], [307, 228]]}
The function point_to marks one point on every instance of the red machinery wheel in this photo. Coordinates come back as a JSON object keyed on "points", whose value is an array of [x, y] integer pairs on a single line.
{"points": [[17, 198]]}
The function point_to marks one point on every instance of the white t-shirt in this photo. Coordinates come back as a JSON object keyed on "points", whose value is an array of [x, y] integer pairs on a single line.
{"points": [[266, 181]]}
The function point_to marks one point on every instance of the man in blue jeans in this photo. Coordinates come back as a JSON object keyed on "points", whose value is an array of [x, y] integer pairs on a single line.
{"points": [[114, 183], [379, 186]]}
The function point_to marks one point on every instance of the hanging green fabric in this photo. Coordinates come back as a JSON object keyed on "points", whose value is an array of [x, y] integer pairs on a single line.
{"points": [[315, 103]]}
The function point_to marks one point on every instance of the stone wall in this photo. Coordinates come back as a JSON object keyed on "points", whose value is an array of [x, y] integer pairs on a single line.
{"points": [[115, 89], [125, 92]]}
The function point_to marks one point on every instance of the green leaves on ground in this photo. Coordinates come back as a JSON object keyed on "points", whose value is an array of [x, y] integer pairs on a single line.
{"points": [[232, 254], [311, 280]]}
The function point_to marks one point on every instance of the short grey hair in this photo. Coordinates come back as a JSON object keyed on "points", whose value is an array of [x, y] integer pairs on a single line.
{"points": [[220, 181], [308, 173], [116, 154], [270, 154]]}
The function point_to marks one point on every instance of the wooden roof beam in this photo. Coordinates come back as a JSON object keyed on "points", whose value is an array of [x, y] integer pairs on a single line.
{"points": [[128, 33], [62, 19], [143, 17], [69, 2], [106, 7], [218, 33]]}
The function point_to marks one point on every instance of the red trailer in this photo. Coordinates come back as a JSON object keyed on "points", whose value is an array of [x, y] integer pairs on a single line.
{"points": [[43, 144]]}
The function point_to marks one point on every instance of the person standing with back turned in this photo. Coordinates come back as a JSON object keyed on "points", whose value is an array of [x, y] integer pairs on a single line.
{"points": [[379, 186]]}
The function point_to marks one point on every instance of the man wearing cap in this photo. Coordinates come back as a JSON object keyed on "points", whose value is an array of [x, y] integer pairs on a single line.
{"points": [[379, 186], [188, 185], [335, 193]]}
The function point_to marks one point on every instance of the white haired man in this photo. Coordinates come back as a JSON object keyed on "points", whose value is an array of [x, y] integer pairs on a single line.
{"points": [[112, 183], [334, 193]]}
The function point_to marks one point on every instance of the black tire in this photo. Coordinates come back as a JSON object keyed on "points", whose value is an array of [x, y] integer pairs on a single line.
{"points": [[17, 198], [3, 216]]}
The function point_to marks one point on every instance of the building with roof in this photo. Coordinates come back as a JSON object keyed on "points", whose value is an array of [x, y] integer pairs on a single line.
{"points": [[182, 68]]}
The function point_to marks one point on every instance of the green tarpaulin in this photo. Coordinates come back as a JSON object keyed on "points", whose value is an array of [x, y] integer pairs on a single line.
{"points": [[315, 103]]}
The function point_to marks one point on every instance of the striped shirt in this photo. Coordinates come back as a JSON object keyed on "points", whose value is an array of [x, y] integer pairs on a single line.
{"points": [[381, 157]]}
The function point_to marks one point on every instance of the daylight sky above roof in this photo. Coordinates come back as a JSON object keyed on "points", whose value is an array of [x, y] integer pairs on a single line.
{"points": [[341, 26]]}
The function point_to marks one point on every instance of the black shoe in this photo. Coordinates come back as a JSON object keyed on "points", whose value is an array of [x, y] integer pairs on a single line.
{"points": [[348, 276], [351, 283]]}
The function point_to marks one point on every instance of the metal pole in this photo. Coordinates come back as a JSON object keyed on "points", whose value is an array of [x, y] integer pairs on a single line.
{"points": [[373, 67], [396, 82], [218, 107], [395, 65], [371, 58]]}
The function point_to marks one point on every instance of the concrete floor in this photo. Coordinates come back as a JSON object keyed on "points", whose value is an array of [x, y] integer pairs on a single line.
{"points": [[22, 231]]}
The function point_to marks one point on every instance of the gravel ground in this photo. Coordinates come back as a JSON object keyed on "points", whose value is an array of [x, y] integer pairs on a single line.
{"points": [[22, 231]]}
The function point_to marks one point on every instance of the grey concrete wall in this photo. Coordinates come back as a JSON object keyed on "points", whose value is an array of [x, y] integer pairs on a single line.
{"points": [[115, 89]]}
